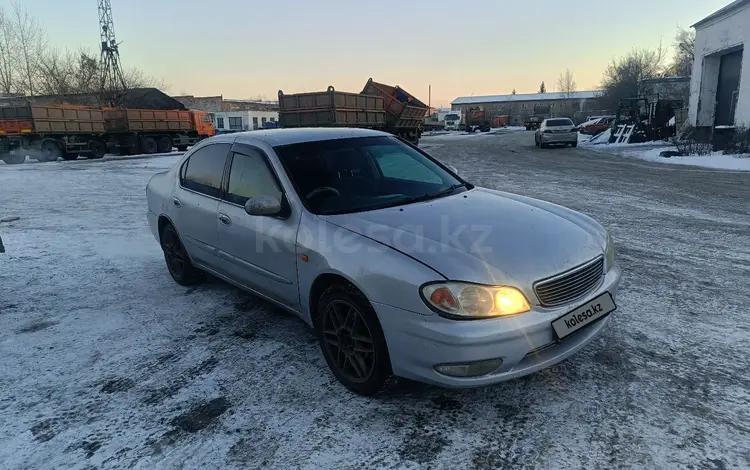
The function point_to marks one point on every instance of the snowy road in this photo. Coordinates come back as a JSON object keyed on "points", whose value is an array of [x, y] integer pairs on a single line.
{"points": [[107, 363]]}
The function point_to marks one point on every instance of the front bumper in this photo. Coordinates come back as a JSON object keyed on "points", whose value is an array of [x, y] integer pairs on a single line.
{"points": [[561, 138], [526, 343]]}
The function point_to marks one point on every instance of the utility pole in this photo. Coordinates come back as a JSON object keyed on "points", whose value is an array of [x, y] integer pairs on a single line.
{"points": [[111, 81], [429, 97]]}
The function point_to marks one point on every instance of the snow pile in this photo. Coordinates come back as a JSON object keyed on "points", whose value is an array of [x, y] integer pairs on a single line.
{"points": [[716, 160], [600, 138]]}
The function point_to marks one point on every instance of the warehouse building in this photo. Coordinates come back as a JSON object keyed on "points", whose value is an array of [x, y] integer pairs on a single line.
{"points": [[576, 105], [720, 87]]}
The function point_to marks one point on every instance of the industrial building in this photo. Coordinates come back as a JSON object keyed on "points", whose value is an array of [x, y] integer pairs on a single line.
{"points": [[233, 121], [720, 86], [214, 104], [576, 105]]}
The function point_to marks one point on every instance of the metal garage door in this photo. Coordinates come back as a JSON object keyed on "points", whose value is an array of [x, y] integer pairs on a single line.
{"points": [[728, 89]]}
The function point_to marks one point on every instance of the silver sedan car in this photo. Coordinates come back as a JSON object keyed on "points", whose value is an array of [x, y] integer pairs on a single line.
{"points": [[556, 131], [401, 266]]}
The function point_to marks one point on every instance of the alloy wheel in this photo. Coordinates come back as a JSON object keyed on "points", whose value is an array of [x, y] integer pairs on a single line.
{"points": [[348, 341], [174, 253]]}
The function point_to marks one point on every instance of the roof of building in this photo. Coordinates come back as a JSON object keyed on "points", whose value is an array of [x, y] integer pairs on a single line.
{"points": [[676, 79], [527, 97], [723, 11]]}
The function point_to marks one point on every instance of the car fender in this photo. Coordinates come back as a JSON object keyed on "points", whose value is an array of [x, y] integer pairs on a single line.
{"points": [[383, 274]]}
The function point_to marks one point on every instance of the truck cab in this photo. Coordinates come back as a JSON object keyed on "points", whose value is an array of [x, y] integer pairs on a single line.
{"points": [[452, 120], [204, 123]]}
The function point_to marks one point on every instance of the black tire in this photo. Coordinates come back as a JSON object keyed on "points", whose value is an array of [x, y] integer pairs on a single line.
{"points": [[536, 141], [164, 144], [50, 151], [68, 156], [149, 145], [14, 159], [543, 145], [574, 144], [182, 148], [97, 149], [352, 340], [178, 263]]}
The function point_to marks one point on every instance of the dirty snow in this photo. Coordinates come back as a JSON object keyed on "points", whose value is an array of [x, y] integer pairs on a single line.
{"points": [[108, 364]]}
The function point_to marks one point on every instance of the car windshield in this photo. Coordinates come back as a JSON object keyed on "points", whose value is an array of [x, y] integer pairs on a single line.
{"points": [[559, 122], [359, 174], [452, 117]]}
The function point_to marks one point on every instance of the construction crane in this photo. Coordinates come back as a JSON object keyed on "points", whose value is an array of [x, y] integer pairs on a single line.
{"points": [[112, 81]]}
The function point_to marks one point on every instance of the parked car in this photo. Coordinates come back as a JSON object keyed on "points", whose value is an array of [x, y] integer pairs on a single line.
{"points": [[533, 123], [556, 131], [596, 126], [401, 266]]}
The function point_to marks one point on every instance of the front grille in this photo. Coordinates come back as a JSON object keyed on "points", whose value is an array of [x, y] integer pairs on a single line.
{"points": [[570, 285]]}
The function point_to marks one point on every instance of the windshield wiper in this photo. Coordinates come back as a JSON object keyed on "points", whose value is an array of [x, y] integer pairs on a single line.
{"points": [[427, 197], [401, 202]]}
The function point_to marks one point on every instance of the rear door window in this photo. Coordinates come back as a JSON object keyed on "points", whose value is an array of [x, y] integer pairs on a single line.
{"points": [[204, 169]]}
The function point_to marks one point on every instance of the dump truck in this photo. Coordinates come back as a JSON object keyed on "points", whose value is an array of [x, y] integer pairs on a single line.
{"points": [[379, 106], [476, 120], [47, 133], [404, 112], [152, 130]]}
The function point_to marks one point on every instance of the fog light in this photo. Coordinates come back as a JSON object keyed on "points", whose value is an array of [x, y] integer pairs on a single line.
{"points": [[473, 369]]}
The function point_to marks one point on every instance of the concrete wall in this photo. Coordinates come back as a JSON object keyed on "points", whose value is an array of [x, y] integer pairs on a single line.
{"points": [[719, 36], [209, 104]]}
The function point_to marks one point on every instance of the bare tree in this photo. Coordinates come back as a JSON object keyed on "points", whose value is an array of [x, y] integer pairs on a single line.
{"points": [[622, 78], [8, 51], [684, 52], [513, 92], [566, 84], [87, 72], [542, 88], [136, 78], [57, 73], [30, 36]]}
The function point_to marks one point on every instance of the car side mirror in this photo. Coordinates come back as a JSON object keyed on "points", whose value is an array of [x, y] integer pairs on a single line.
{"points": [[453, 169], [263, 205]]}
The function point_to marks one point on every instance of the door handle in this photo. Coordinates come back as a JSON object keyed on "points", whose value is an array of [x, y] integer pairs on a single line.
{"points": [[176, 202], [225, 219]]}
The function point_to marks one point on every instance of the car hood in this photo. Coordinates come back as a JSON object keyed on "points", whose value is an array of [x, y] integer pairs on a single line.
{"points": [[484, 236]]}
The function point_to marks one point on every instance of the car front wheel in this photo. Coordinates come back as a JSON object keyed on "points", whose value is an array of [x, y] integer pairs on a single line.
{"points": [[352, 340]]}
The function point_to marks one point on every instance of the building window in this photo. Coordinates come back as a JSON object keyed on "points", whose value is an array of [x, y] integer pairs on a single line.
{"points": [[552, 105], [235, 123], [523, 106], [273, 119], [220, 123], [255, 122], [263, 120]]}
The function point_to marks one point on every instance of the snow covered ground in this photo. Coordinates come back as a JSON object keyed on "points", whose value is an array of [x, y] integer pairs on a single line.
{"points": [[108, 364], [650, 151]]}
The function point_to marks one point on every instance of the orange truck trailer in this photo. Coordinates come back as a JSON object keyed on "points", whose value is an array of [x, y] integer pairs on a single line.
{"points": [[50, 132]]}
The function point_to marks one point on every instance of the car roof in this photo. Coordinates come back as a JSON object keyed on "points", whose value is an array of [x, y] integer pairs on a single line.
{"points": [[276, 137], [556, 118]]}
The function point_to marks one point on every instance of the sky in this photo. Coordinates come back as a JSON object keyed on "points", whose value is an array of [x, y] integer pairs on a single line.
{"points": [[253, 48]]}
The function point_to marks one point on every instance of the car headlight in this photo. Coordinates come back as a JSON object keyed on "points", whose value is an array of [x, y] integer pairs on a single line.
{"points": [[470, 301], [609, 252]]}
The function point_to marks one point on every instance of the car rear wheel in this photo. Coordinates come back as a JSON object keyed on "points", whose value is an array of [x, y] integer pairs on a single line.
{"points": [[178, 262], [352, 340], [574, 144]]}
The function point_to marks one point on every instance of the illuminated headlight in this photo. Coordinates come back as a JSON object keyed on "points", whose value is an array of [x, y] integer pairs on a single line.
{"points": [[609, 253], [470, 301]]}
